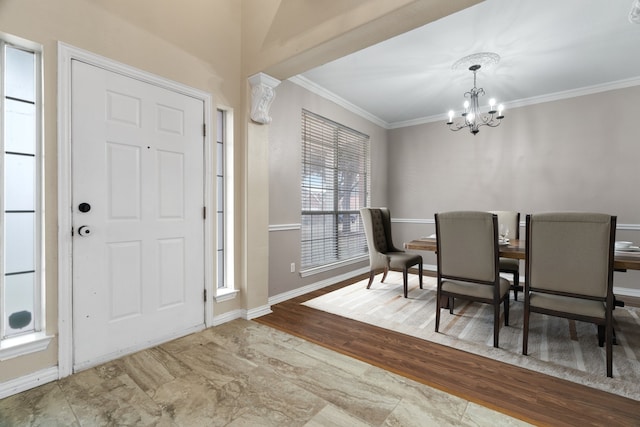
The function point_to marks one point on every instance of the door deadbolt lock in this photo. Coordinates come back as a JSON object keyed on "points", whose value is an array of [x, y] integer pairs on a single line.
{"points": [[84, 207], [84, 231]]}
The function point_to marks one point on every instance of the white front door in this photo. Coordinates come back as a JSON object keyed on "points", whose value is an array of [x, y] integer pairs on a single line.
{"points": [[137, 201]]}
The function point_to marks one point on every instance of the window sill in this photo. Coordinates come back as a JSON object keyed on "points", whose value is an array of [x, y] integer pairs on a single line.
{"points": [[226, 294], [25, 344], [333, 266]]}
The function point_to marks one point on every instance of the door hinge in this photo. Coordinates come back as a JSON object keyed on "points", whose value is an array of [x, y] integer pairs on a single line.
{"points": [[205, 295], [204, 212], [204, 129]]}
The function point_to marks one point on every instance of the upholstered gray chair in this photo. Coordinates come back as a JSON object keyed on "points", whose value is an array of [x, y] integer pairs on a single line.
{"points": [[382, 254], [468, 265], [511, 220], [569, 271]]}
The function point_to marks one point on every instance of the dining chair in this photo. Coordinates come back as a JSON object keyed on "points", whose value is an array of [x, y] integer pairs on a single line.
{"points": [[569, 271], [468, 265], [383, 255], [510, 220]]}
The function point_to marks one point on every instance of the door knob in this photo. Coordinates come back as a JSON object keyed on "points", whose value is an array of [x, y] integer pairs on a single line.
{"points": [[84, 231]]}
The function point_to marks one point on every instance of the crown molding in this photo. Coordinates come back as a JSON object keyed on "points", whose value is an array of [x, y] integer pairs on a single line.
{"points": [[330, 96], [556, 96]]}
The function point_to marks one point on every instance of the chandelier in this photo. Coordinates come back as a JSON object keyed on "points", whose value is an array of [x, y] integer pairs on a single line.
{"points": [[471, 117]]}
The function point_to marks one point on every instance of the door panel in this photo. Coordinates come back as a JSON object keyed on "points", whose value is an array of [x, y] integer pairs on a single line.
{"points": [[138, 265]]}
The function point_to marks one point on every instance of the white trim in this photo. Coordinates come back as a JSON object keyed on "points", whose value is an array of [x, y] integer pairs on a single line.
{"points": [[315, 286], [27, 382], [228, 317], [626, 292], [626, 227], [24, 344], [328, 267], [327, 94], [413, 221], [257, 312], [284, 227], [242, 314], [229, 210], [225, 294], [557, 96], [67, 53]]}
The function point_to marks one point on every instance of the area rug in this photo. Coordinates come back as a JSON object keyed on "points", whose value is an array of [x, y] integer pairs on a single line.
{"points": [[558, 347]]}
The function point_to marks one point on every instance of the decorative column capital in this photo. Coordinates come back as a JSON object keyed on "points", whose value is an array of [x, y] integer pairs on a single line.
{"points": [[262, 95]]}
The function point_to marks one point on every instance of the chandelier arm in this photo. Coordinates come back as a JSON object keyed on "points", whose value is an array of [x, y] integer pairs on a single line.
{"points": [[471, 117]]}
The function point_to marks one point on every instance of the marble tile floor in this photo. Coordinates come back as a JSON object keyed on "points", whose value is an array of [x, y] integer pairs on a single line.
{"points": [[241, 374]]}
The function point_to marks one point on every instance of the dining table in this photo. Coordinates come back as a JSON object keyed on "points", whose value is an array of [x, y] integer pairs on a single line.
{"points": [[516, 249]]}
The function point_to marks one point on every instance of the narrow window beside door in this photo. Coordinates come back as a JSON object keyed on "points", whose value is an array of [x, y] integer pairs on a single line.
{"points": [[21, 281]]}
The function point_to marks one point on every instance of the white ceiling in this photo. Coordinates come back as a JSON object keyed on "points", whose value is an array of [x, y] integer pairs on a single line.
{"points": [[547, 47]]}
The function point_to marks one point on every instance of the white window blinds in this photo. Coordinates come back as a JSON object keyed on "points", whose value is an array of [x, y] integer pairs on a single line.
{"points": [[335, 185]]}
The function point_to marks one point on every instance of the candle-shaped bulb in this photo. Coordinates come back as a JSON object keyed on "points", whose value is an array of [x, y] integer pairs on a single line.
{"points": [[492, 103], [466, 105], [451, 116], [471, 117], [500, 108]]}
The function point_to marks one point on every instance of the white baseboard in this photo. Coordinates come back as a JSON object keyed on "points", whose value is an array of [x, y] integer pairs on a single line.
{"points": [[257, 312], [315, 286], [228, 317], [27, 382]]}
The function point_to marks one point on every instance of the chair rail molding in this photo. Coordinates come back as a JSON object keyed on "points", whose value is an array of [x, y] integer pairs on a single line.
{"points": [[262, 96], [627, 227], [284, 227]]}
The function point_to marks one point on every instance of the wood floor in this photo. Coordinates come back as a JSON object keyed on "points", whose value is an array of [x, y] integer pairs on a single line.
{"points": [[530, 396]]}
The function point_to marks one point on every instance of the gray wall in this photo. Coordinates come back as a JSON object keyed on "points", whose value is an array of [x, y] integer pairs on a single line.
{"points": [[284, 179], [578, 154]]}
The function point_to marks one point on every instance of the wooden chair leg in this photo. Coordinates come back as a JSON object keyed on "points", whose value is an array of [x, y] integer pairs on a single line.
{"points": [[420, 274], [371, 276], [384, 276], [516, 285], [450, 303]]}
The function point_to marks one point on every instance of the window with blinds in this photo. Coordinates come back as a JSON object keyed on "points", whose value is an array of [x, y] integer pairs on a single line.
{"points": [[335, 185]]}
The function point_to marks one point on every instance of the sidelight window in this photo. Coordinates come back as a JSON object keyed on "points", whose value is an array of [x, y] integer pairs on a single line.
{"points": [[21, 296]]}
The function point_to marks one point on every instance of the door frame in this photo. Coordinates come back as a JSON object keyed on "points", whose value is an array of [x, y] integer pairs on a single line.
{"points": [[67, 53]]}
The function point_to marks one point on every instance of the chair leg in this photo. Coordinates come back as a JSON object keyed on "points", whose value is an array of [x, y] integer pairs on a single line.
{"points": [[450, 303], [371, 276], [601, 335], [420, 274], [609, 351], [405, 281], [516, 284], [496, 324], [438, 298], [506, 310], [384, 276], [525, 330]]}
